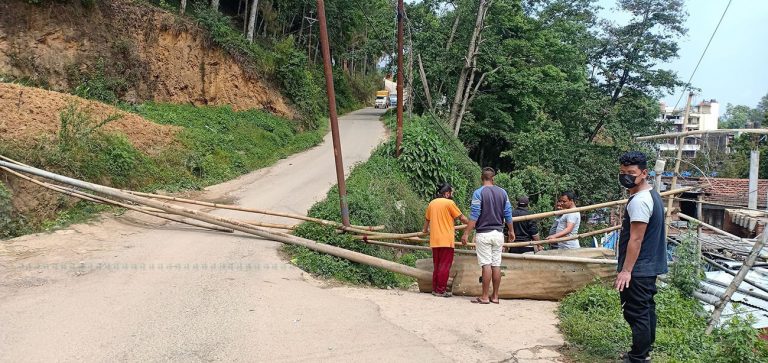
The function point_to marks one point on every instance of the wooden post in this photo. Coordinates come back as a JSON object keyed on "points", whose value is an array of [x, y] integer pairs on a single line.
{"points": [[715, 318]]}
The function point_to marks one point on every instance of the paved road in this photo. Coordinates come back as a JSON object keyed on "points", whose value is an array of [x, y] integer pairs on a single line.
{"points": [[133, 288]]}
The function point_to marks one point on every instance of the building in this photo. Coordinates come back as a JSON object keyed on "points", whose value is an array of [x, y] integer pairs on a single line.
{"points": [[702, 116]]}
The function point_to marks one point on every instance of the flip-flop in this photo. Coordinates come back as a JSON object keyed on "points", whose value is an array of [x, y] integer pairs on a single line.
{"points": [[478, 301], [495, 302]]}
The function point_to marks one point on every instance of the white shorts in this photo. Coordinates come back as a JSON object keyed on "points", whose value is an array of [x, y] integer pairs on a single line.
{"points": [[488, 246]]}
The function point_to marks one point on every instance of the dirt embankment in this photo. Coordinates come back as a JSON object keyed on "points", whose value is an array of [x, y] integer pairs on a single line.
{"points": [[144, 52], [33, 114]]}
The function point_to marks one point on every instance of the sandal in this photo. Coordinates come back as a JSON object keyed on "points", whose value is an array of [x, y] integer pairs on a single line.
{"points": [[477, 300]]}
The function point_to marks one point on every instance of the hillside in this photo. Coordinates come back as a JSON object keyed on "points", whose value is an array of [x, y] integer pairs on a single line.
{"points": [[138, 52]]}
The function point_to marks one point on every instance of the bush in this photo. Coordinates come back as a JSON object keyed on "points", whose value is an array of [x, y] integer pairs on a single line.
{"points": [[591, 319], [686, 273], [6, 211]]}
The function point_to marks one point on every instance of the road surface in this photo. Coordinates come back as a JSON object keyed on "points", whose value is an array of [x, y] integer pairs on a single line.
{"points": [[134, 288]]}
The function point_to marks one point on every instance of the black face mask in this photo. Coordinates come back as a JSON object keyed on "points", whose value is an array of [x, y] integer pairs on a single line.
{"points": [[627, 181]]}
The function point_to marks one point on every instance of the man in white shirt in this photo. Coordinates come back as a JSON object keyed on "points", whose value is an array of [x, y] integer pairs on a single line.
{"points": [[567, 224]]}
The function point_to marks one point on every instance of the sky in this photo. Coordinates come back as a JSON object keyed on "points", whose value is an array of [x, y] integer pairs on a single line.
{"points": [[735, 68]]}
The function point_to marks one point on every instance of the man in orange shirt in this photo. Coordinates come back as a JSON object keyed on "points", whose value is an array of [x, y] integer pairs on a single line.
{"points": [[440, 218]]}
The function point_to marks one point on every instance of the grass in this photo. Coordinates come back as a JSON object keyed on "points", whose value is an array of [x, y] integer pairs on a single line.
{"points": [[216, 144], [592, 322]]}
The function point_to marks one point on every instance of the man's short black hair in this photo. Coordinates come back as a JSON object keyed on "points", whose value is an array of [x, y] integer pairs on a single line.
{"points": [[630, 158], [569, 195], [488, 173]]}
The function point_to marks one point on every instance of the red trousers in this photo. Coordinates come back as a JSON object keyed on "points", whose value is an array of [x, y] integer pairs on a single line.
{"points": [[442, 259]]}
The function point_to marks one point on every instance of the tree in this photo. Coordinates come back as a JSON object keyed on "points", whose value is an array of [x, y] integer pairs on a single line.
{"points": [[215, 4], [735, 117], [625, 61], [252, 19], [469, 65], [182, 7]]}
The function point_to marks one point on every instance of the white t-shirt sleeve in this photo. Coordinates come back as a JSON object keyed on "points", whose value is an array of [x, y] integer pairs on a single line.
{"points": [[572, 218], [640, 208]]}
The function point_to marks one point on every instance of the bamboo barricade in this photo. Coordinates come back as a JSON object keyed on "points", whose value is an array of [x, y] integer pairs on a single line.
{"points": [[353, 228], [258, 211], [511, 256], [512, 244], [96, 199], [228, 223]]}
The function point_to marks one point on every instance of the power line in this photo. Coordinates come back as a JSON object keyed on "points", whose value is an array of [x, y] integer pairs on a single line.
{"points": [[688, 84]]}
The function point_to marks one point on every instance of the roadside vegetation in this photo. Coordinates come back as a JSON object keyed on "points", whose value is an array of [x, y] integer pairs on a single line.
{"points": [[592, 322], [215, 144]]}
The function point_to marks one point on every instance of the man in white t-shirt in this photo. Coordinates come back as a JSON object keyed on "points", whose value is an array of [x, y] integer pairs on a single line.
{"points": [[567, 224]]}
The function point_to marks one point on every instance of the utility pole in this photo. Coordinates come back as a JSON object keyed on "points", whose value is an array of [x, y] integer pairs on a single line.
{"points": [[311, 21], [680, 142], [332, 112], [399, 140]]}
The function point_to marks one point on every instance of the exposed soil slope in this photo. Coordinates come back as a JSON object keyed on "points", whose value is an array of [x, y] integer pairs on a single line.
{"points": [[30, 114], [155, 55]]}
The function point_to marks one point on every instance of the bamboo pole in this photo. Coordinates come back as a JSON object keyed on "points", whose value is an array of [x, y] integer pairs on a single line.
{"points": [[101, 200], [708, 226], [229, 206], [561, 239], [745, 267], [511, 256], [702, 132], [589, 207], [678, 159], [228, 223], [253, 210]]}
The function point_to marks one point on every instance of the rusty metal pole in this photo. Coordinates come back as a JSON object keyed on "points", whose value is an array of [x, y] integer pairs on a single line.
{"points": [[399, 141], [332, 112]]}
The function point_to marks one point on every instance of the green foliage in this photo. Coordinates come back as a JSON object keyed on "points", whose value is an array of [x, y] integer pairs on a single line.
{"points": [[216, 144], [591, 319], [339, 268], [220, 144], [6, 210], [105, 81], [251, 56], [739, 342], [390, 192], [686, 273], [430, 157], [300, 83]]}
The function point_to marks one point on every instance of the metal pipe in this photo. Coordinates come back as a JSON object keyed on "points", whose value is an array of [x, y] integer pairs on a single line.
{"points": [[399, 140], [332, 112]]}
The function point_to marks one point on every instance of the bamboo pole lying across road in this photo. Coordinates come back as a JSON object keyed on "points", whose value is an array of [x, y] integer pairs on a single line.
{"points": [[254, 210], [511, 256], [97, 199], [228, 223]]}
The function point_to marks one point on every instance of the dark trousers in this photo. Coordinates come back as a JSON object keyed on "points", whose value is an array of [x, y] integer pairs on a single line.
{"points": [[442, 259], [521, 249], [640, 313]]}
